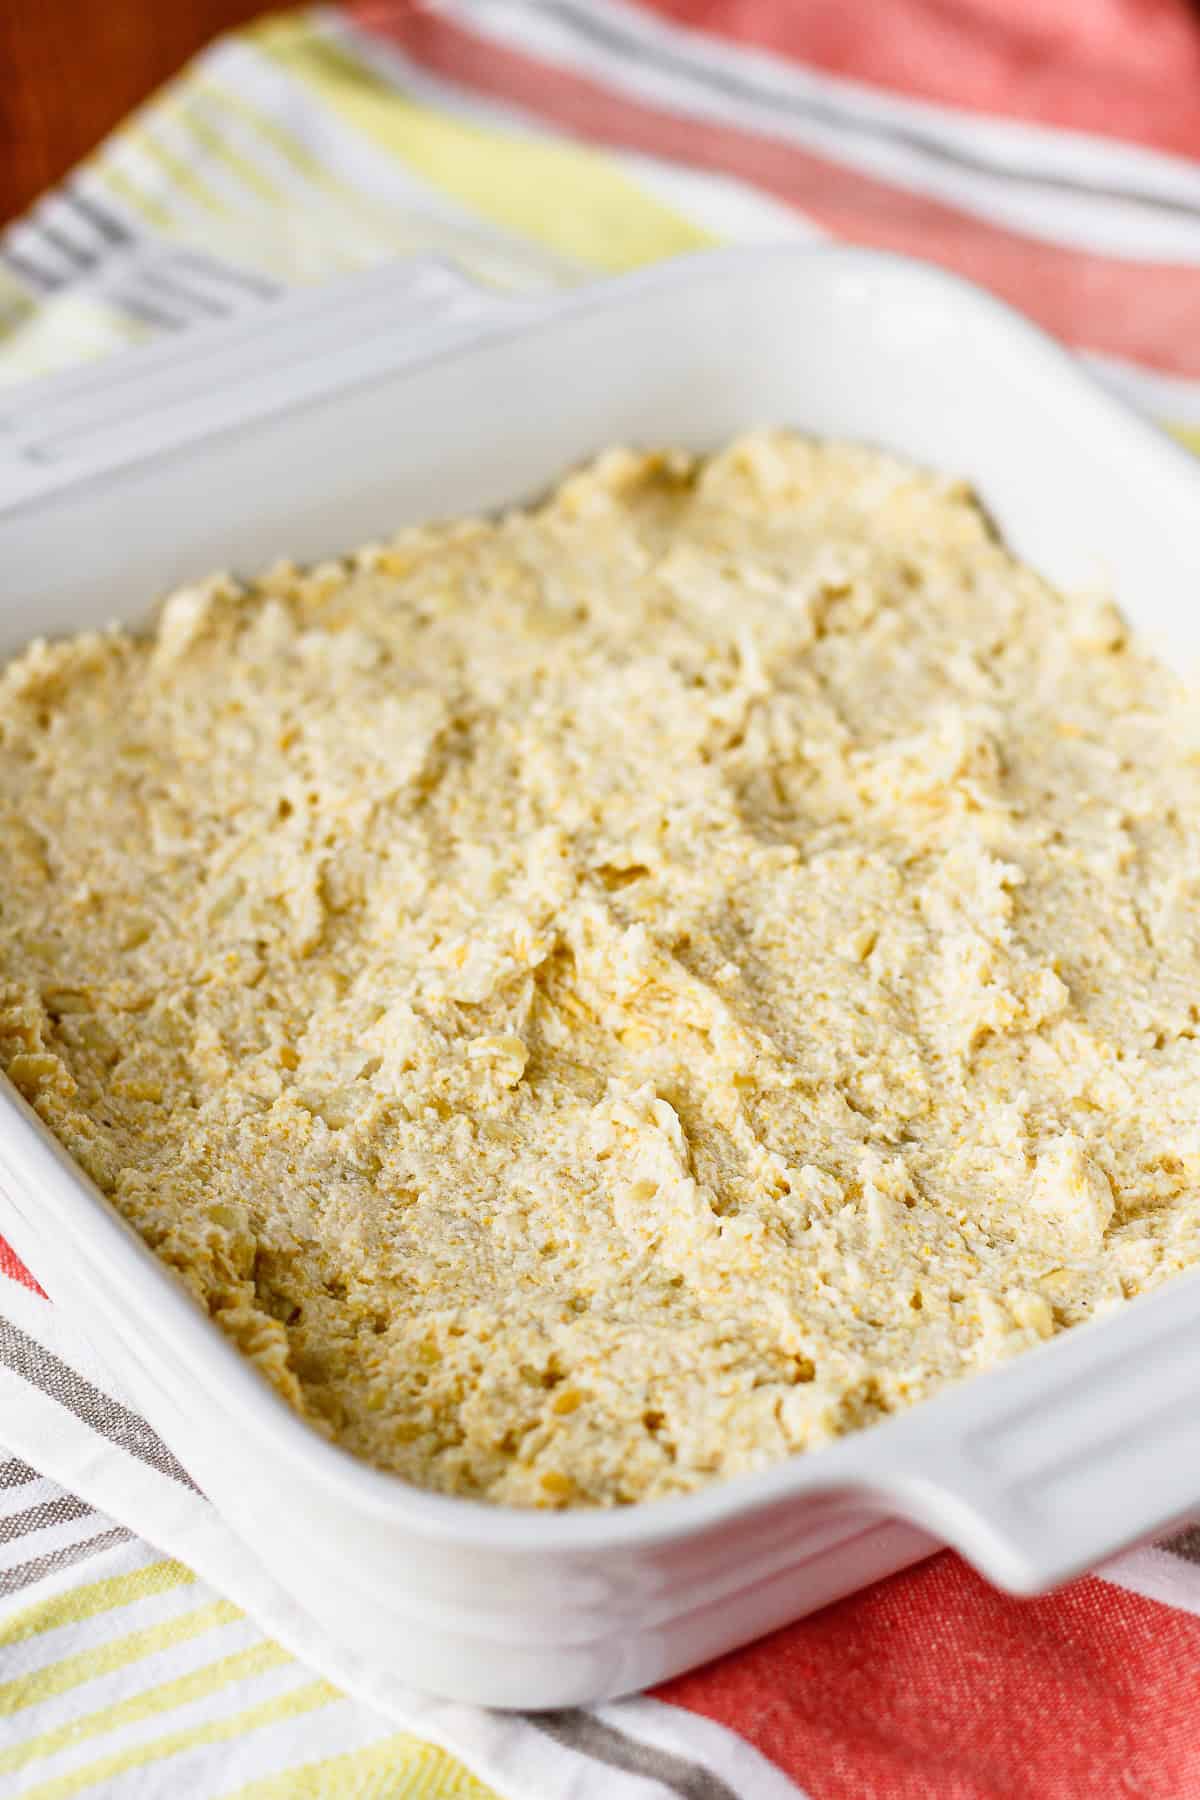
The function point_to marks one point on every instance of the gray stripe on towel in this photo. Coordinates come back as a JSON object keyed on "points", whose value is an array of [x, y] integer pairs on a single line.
{"points": [[582, 1731], [59, 1511], [57, 1379], [25, 1574]]}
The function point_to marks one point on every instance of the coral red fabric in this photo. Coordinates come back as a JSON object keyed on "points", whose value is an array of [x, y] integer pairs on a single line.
{"points": [[1128, 68], [12, 1266], [932, 1686]]}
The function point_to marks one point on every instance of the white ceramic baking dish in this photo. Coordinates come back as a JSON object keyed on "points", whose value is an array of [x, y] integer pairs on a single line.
{"points": [[336, 416]]}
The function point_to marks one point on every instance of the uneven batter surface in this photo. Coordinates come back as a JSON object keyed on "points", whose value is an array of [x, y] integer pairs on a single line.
{"points": [[598, 1001]]}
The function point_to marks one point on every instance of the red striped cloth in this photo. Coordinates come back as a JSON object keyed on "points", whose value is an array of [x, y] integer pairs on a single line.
{"points": [[931, 1686], [1121, 68], [1144, 308]]}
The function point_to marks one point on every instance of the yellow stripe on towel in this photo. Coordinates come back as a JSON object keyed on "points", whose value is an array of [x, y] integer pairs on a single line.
{"points": [[571, 200]]}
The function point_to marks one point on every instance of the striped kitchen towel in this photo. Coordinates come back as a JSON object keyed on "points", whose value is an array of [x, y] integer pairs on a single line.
{"points": [[1048, 152], [1051, 153]]}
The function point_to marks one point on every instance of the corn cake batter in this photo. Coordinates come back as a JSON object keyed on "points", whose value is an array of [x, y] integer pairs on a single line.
{"points": [[599, 1000]]}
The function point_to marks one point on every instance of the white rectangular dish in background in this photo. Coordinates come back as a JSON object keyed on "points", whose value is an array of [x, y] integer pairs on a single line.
{"points": [[336, 416]]}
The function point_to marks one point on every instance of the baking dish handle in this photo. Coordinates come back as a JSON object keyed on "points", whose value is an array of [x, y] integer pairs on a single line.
{"points": [[147, 401], [1096, 1447]]}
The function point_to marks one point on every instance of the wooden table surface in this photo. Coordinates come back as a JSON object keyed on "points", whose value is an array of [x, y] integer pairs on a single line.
{"points": [[71, 69]]}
